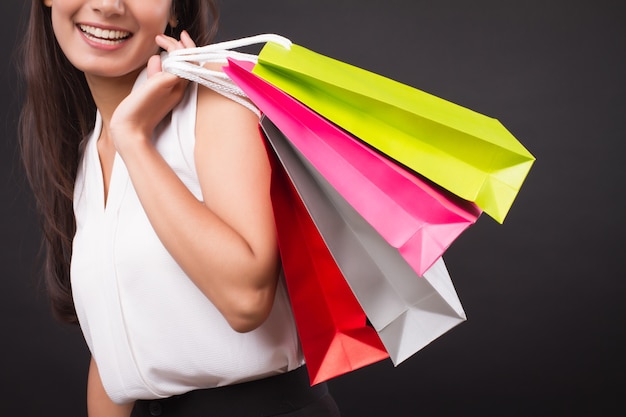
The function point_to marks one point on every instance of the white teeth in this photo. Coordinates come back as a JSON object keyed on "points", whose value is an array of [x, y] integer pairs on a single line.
{"points": [[104, 34]]}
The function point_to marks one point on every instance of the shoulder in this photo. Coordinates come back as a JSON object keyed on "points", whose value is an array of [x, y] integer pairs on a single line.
{"points": [[218, 115], [218, 109]]}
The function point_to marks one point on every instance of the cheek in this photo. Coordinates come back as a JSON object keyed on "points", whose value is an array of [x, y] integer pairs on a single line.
{"points": [[63, 28], [155, 18]]}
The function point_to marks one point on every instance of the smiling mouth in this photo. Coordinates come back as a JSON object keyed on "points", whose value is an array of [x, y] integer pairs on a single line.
{"points": [[104, 36]]}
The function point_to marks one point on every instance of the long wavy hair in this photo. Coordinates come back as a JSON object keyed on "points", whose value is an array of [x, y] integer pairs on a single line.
{"points": [[58, 113]]}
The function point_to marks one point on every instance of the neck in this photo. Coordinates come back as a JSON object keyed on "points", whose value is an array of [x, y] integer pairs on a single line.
{"points": [[108, 93]]}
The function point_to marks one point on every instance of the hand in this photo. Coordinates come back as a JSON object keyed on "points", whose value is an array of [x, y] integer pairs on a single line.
{"points": [[136, 117]]}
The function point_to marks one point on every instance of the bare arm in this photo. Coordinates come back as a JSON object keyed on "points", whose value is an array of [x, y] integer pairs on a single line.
{"points": [[227, 244], [98, 402]]}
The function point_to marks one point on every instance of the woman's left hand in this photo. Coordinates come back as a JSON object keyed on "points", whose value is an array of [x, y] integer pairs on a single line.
{"points": [[137, 115]]}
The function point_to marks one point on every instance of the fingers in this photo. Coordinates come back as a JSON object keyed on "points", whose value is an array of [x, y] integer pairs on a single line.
{"points": [[170, 44], [154, 65], [186, 40]]}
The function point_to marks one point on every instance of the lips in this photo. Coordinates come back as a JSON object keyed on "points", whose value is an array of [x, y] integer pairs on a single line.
{"points": [[105, 36]]}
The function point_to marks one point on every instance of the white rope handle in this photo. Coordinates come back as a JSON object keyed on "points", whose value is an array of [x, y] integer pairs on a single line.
{"points": [[188, 64]]}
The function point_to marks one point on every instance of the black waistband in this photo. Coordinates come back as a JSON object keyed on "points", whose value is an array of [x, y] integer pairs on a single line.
{"points": [[264, 397]]}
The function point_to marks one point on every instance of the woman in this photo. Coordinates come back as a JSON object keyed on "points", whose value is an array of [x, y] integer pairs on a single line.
{"points": [[158, 228]]}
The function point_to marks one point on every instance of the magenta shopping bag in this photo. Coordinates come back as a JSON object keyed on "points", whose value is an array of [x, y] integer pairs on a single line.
{"points": [[418, 218]]}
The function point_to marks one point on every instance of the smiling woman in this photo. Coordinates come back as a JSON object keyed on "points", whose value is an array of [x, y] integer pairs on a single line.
{"points": [[157, 220], [83, 30]]}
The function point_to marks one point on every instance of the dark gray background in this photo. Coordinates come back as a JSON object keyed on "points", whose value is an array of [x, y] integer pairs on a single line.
{"points": [[545, 292]]}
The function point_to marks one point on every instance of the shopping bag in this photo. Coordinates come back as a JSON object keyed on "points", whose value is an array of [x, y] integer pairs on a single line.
{"points": [[332, 326], [407, 311], [470, 154], [416, 217]]}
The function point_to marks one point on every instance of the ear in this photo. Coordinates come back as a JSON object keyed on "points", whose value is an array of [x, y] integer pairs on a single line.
{"points": [[173, 22], [47, 3]]}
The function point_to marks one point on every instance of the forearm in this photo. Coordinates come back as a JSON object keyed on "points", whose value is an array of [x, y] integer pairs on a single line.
{"points": [[98, 402], [232, 270], [226, 245]]}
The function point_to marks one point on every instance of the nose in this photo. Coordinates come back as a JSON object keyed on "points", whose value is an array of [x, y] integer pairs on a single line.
{"points": [[108, 7]]}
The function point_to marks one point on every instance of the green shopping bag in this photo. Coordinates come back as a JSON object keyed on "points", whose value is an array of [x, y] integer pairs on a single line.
{"points": [[470, 154]]}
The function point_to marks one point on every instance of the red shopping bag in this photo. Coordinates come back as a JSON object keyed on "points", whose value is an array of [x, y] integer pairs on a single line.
{"points": [[416, 217], [334, 334]]}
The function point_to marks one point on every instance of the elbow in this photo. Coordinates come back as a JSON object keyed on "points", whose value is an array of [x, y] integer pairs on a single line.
{"points": [[244, 324], [246, 300], [250, 311]]}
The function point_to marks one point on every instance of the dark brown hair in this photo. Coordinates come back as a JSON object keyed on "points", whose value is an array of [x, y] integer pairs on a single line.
{"points": [[58, 113]]}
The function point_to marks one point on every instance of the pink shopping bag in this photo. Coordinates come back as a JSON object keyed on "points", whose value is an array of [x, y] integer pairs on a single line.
{"points": [[413, 215]]}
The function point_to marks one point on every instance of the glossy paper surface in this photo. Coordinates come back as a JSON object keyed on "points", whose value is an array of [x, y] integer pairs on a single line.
{"points": [[416, 217], [407, 311], [467, 153]]}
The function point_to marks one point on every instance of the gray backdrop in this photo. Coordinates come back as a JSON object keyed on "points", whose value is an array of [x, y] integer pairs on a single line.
{"points": [[545, 292]]}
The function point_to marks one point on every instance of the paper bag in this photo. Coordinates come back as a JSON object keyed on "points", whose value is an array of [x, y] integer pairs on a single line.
{"points": [[467, 153], [407, 311], [332, 326], [416, 217]]}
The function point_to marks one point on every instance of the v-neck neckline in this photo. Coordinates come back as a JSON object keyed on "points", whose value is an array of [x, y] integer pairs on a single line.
{"points": [[105, 201], [119, 175]]}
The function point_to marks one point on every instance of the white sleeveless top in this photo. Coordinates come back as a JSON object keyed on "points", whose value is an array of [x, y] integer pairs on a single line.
{"points": [[152, 333]]}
